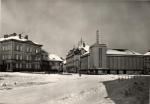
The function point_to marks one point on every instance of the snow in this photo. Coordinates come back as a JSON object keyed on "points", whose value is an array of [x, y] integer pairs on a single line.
{"points": [[53, 89], [148, 53], [54, 57], [64, 62], [122, 52], [26, 88], [86, 48], [13, 37], [16, 38]]}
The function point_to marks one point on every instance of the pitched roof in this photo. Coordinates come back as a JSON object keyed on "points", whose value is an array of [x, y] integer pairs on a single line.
{"points": [[13, 37], [122, 52], [54, 57], [16, 37], [148, 53]]}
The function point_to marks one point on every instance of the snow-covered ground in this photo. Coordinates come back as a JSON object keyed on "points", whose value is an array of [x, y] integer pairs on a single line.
{"points": [[25, 88]]}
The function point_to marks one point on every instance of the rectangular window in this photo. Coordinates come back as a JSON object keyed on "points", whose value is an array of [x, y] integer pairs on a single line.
{"points": [[20, 57], [36, 51], [3, 57], [20, 65], [17, 66], [27, 57], [30, 49], [30, 66], [17, 47], [21, 48], [3, 48], [27, 49], [27, 65], [9, 56], [17, 57]]}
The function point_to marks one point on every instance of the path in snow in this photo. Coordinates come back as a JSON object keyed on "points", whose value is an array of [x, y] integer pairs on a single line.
{"points": [[54, 89]]}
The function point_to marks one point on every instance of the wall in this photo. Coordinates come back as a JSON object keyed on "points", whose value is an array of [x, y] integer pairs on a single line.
{"points": [[85, 62], [125, 62], [98, 56], [147, 64], [21, 56]]}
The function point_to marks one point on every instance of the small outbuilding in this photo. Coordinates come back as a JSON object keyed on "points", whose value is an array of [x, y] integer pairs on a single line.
{"points": [[55, 63]]}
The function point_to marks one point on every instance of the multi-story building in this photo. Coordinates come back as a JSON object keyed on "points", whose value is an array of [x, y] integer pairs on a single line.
{"points": [[99, 59], [18, 53], [73, 62]]}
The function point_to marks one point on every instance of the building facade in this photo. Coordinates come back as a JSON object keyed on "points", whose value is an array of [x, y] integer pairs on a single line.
{"points": [[102, 60], [18, 53], [73, 60], [147, 62]]}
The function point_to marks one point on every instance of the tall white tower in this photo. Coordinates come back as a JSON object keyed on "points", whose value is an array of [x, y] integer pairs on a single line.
{"points": [[97, 36], [98, 54]]}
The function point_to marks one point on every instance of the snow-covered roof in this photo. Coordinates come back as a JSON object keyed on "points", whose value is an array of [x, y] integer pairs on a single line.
{"points": [[13, 37], [16, 37], [148, 53], [64, 62], [122, 52], [54, 57], [86, 48]]}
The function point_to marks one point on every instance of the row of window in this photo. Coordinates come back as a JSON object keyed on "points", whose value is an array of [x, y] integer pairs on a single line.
{"points": [[19, 57], [27, 65], [20, 48], [147, 58], [117, 62]]}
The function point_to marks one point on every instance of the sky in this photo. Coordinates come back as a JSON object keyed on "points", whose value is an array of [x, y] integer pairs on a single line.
{"points": [[59, 24]]}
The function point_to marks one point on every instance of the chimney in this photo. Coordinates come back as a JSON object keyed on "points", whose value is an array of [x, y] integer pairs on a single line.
{"points": [[14, 34], [5, 36], [26, 37], [19, 36], [97, 37]]}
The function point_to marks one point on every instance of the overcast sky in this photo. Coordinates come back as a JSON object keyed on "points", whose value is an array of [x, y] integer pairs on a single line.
{"points": [[59, 24]]}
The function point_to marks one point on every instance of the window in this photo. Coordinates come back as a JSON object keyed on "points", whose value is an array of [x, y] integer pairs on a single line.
{"points": [[17, 66], [6, 48], [17, 57], [30, 66], [36, 51], [3, 57], [21, 48], [30, 58], [30, 49], [20, 65], [20, 57], [37, 66], [3, 48], [9, 56], [27, 57], [17, 47], [11, 48], [27, 65], [27, 49]]}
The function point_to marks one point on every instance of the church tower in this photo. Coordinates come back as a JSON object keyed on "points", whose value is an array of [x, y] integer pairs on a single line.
{"points": [[98, 54]]}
